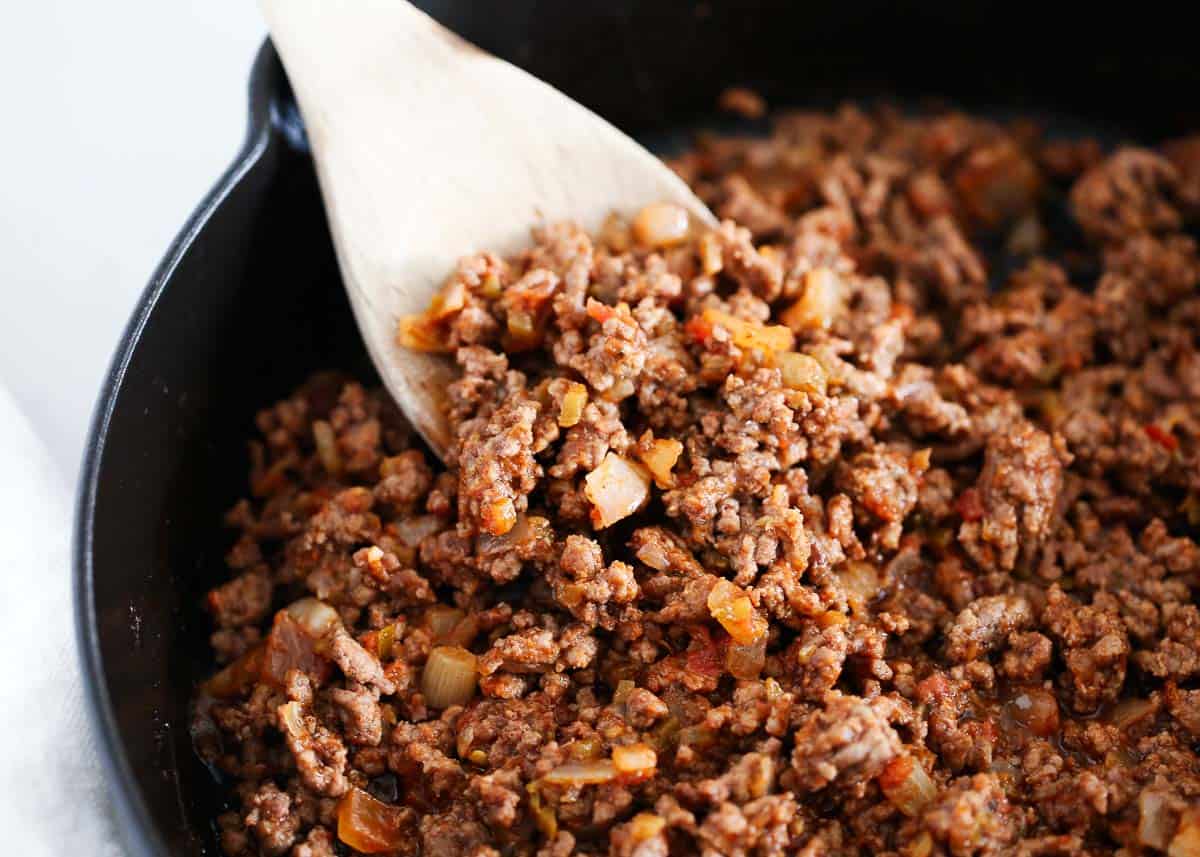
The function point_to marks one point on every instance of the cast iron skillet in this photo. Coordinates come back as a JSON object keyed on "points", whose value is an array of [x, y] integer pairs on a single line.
{"points": [[246, 302]]}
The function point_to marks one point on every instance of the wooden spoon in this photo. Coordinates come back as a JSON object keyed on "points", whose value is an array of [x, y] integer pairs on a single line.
{"points": [[428, 149]]}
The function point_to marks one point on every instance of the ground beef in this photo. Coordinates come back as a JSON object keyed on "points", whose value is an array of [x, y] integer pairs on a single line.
{"points": [[846, 742], [1095, 649], [362, 719], [972, 818], [1027, 657], [242, 601], [984, 623], [884, 484], [1130, 193], [1017, 491], [863, 523], [272, 820]]}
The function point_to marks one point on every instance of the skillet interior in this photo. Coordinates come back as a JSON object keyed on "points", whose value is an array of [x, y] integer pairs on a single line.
{"points": [[247, 301]]}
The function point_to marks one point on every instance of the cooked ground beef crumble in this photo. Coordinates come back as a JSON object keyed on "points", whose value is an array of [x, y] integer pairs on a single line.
{"points": [[861, 524]]}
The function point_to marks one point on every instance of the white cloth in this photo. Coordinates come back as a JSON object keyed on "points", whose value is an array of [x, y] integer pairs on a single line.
{"points": [[52, 795]]}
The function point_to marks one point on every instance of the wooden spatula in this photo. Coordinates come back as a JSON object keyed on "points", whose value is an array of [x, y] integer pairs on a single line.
{"points": [[428, 149]]}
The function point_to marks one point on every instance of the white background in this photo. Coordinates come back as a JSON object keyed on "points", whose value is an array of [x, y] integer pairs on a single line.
{"points": [[116, 118]]}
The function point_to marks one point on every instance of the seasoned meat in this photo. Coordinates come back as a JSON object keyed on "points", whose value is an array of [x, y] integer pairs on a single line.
{"points": [[862, 523], [846, 742], [984, 623]]}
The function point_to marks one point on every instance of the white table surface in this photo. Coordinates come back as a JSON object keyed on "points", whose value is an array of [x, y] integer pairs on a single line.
{"points": [[118, 116]]}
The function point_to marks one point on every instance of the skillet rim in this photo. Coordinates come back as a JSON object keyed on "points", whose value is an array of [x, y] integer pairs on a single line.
{"points": [[136, 828]]}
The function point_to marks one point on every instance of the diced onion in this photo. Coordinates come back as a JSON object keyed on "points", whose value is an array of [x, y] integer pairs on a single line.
{"points": [[371, 826], [773, 689], [698, 737], [316, 617], [291, 719], [646, 825], [1129, 712], [327, 449], [711, 260], [1186, 842], [624, 688], [746, 661], [802, 372], [922, 846], [451, 299], [770, 338], [660, 458], [462, 634], [292, 646], [730, 606], [635, 760], [524, 532], [491, 287], [582, 773], [819, 305], [585, 749], [905, 783], [1156, 822], [573, 404], [419, 333], [449, 677], [861, 582], [498, 516], [522, 329], [830, 618], [443, 620], [616, 489], [412, 531], [237, 677], [660, 225]]}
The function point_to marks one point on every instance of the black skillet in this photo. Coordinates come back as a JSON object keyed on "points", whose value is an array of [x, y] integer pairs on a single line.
{"points": [[247, 300]]}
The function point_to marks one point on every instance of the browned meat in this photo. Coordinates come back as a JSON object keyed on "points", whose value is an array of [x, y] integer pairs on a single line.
{"points": [[846, 742], [241, 601], [1018, 489], [788, 537], [984, 623], [1130, 193], [272, 820], [972, 818], [1096, 648]]}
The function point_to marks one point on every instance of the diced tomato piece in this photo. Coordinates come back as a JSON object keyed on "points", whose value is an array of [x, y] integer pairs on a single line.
{"points": [[370, 642], [1162, 437], [698, 329], [705, 656], [902, 313], [599, 312], [729, 605], [969, 505], [932, 688], [896, 772]]}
